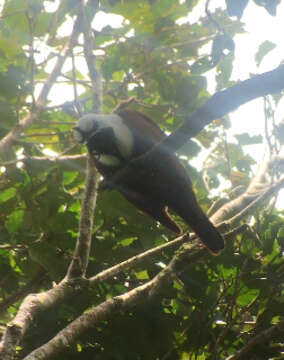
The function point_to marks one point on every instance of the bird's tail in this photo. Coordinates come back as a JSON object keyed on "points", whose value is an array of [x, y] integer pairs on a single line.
{"points": [[194, 217], [207, 232]]}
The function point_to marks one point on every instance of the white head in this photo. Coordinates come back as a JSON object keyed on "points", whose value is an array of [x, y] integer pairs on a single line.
{"points": [[86, 126], [90, 124]]}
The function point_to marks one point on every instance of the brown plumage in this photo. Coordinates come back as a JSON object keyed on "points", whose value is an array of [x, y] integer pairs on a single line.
{"points": [[158, 186]]}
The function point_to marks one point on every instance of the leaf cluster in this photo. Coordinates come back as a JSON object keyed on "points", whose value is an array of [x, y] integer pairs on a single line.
{"points": [[215, 306]]}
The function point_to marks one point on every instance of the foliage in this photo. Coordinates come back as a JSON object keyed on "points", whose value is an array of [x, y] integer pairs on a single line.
{"points": [[218, 304]]}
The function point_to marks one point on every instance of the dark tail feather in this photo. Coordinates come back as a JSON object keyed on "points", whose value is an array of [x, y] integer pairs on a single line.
{"points": [[207, 233], [201, 225]]}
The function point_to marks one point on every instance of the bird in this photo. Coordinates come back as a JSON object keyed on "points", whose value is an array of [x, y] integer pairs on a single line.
{"points": [[114, 140]]}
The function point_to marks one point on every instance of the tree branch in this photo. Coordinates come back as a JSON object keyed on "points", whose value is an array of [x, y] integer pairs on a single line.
{"points": [[96, 79], [30, 307], [35, 303], [134, 260], [217, 106], [70, 161], [24, 290], [260, 188], [66, 337], [79, 263], [223, 102], [260, 338]]}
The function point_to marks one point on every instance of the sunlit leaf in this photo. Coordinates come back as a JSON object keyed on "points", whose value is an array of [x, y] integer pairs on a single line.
{"points": [[263, 50]]}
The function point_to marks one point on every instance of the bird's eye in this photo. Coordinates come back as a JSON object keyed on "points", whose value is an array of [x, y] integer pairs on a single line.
{"points": [[78, 134]]}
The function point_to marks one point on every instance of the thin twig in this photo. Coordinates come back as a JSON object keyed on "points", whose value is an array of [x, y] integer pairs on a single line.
{"points": [[74, 82], [41, 101], [106, 274], [80, 260], [97, 85]]}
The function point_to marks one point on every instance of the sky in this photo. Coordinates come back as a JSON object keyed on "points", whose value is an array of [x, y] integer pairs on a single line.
{"points": [[259, 25]]}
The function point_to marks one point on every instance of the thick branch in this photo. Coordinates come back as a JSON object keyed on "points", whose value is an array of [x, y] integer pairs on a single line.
{"points": [[223, 102], [65, 338], [31, 306], [260, 188], [31, 286], [217, 106], [262, 337], [35, 303], [70, 161]]}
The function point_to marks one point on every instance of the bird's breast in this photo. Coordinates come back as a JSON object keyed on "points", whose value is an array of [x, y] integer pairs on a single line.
{"points": [[108, 160]]}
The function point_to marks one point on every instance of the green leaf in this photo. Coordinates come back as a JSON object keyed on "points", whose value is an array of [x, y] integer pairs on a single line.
{"points": [[190, 149], [247, 296], [10, 46], [42, 24], [127, 241], [142, 275], [7, 194], [48, 257], [236, 8], [246, 139], [14, 221], [263, 50]]}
